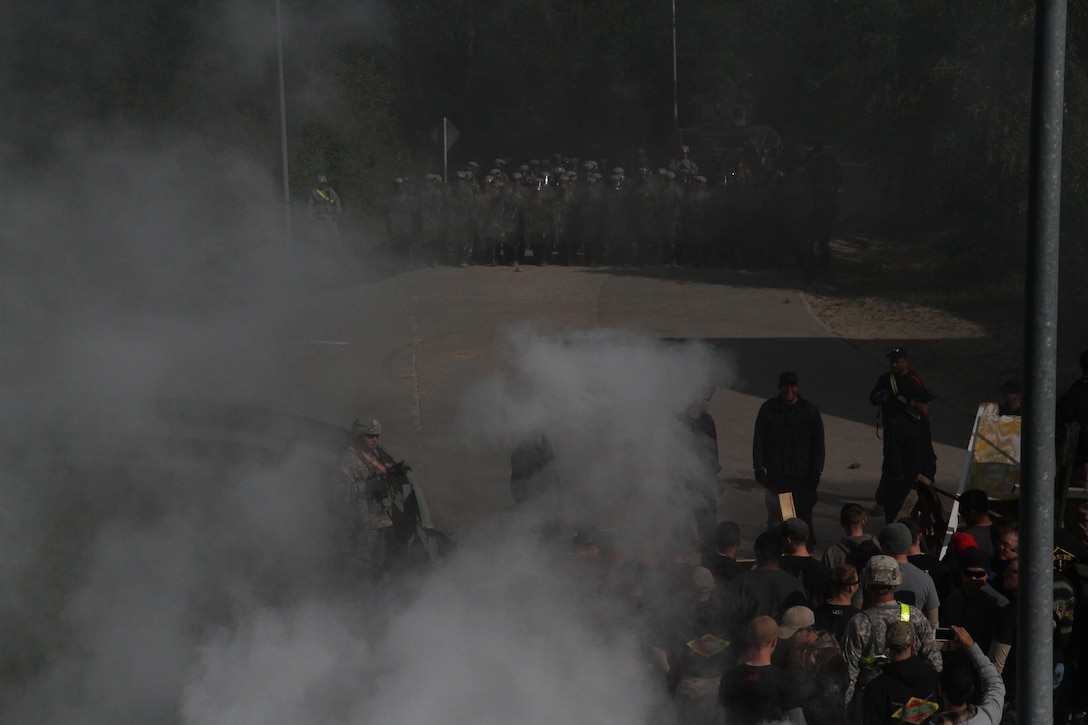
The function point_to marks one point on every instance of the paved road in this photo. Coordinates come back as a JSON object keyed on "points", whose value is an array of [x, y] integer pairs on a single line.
{"points": [[407, 347]]}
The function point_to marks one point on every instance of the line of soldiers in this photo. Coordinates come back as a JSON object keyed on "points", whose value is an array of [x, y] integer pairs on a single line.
{"points": [[571, 212]]}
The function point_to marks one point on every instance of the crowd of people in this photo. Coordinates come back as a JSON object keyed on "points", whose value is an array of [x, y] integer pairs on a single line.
{"points": [[877, 629], [770, 206]]}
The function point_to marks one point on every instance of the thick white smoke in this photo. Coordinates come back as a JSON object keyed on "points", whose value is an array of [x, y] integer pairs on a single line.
{"points": [[612, 403], [141, 581]]}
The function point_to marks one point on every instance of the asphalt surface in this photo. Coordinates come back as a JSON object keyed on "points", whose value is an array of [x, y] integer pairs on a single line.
{"points": [[405, 348]]}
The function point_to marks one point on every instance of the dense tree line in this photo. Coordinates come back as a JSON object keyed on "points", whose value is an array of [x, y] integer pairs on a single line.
{"points": [[935, 95]]}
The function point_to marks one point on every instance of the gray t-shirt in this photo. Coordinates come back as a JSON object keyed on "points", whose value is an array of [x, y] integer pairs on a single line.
{"points": [[921, 585]]}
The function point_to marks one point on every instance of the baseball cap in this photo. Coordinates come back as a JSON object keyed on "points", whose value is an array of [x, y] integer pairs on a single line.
{"points": [[703, 580], [795, 618], [762, 630], [895, 538], [882, 571], [900, 635], [961, 541], [897, 353], [795, 529], [788, 378]]}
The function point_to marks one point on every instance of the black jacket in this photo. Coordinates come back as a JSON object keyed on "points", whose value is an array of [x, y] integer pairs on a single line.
{"points": [[897, 683], [789, 442]]}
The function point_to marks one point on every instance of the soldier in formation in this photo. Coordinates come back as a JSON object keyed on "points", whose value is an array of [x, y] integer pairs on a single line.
{"points": [[759, 210]]}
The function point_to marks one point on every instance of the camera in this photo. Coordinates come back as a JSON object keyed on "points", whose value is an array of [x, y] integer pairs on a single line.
{"points": [[944, 634]]}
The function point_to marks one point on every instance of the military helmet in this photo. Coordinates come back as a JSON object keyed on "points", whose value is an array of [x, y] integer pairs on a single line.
{"points": [[618, 171], [322, 179], [473, 165], [499, 162], [366, 426], [495, 172], [883, 571]]}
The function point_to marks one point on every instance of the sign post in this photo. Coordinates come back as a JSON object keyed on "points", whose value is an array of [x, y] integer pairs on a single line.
{"points": [[446, 136]]}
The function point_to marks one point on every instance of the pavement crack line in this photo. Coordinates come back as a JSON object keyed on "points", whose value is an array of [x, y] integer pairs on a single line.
{"points": [[413, 375]]}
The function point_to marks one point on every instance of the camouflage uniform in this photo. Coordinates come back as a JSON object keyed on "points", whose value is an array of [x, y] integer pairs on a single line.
{"points": [[401, 220], [540, 222], [462, 228], [818, 674], [864, 646], [432, 219], [365, 488], [324, 207]]}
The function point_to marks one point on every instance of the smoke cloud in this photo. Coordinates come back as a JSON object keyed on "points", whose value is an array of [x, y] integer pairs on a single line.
{"points": [[144, 580]]}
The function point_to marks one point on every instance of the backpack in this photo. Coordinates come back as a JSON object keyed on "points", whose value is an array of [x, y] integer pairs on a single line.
{"points": [[858, 555]]}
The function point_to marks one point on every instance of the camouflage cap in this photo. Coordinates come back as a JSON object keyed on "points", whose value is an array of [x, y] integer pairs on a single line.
{"points": [[899, 636], [366, 426], [882, 571]]}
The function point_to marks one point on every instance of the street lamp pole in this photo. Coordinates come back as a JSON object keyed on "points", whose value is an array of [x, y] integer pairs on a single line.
{"points": [[675, 101], [283, 131]]}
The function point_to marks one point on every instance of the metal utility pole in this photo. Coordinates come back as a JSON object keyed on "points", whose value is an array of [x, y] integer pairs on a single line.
{"points": [[1035, 667], [675, 97], [283, 131]]}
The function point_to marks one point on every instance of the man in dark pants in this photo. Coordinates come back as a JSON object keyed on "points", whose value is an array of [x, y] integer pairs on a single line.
{"points": [[888, 393], [788, 451], [908, 453]]}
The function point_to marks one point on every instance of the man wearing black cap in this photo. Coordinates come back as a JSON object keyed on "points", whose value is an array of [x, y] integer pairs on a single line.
{"points": [[788, 451], [908, 452], [890, 394]]}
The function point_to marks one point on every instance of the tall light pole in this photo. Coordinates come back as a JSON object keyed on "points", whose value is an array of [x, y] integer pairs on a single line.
{"points": [[283, 131], [675, 97]]}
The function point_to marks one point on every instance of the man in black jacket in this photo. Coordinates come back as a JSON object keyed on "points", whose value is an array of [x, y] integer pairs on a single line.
{"points": [[905, 676], [908, 453], [890, 393], [788, 451]]}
